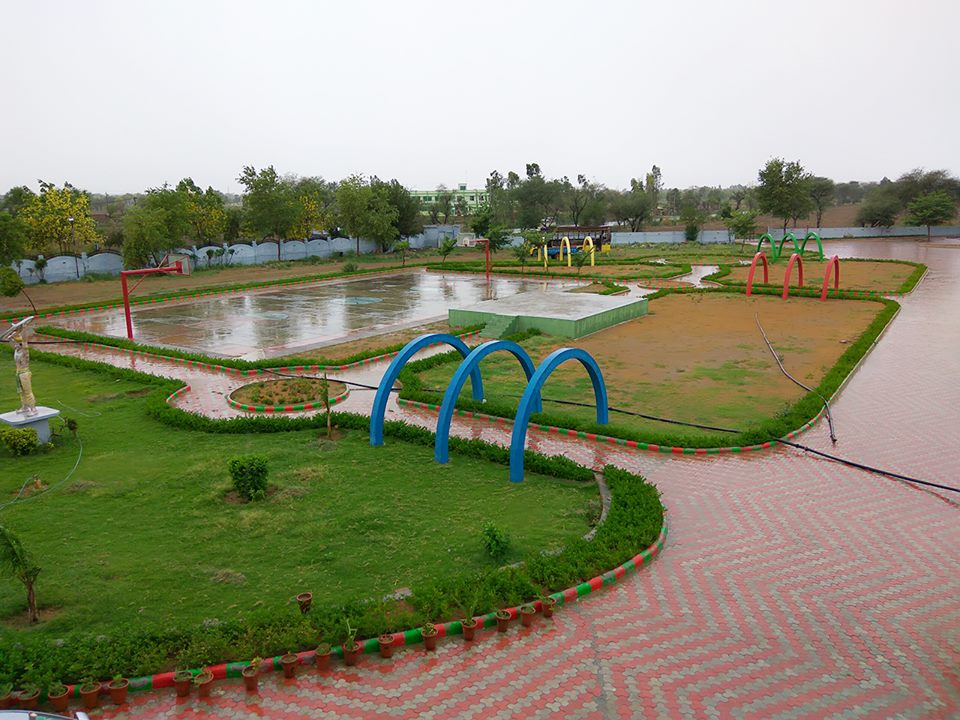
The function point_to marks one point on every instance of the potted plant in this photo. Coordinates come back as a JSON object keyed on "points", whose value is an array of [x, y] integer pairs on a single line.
{"points": [[527, 613], [29, 696], [386, 645], [59, 696], [90, 693], [204, 683], [118, 689], [289, 663], [6, 695], [503, 620], [305, 600], [251, 675], [351, 648], [549, 604], [469, 625], [322, 658], [429, 633], [182, 679]]}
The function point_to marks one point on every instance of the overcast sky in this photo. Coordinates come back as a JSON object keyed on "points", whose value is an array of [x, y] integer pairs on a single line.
{"points": [[121, 96]]}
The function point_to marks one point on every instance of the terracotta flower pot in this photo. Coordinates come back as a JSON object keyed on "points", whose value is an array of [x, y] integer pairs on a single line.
{"points": [[60, 702], [549, 604], [322, 658], [527, 613], [28, 699], [469, 626], [251, 678], [118, 691], [503, 620], [182, 680], [351, 652], [289, 664], [386, 645], [90, 694], [204, 683], [429, 634], [305, 600]]}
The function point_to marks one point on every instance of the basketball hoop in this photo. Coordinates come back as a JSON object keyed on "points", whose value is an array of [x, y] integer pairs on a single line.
{"points": [[171, 264]]}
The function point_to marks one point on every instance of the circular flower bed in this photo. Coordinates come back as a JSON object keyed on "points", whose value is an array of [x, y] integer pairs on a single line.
{"points": [[286, 395]]}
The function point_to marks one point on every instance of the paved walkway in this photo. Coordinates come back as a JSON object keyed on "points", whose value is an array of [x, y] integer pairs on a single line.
{"points": [[790, 586]]}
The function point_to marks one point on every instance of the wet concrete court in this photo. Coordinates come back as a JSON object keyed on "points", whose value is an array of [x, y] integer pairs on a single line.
{"points": [[280, 321]]}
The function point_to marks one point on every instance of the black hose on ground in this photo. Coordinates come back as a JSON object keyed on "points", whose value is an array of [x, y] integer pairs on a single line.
{"points": [[776, 356]]}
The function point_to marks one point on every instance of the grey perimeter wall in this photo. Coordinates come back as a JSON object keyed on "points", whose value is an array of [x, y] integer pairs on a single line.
{"points": [[69, 267]]}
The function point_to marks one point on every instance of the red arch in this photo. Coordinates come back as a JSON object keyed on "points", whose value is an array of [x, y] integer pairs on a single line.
{"points": [[753, 269], [834, 262], [795, 258]]}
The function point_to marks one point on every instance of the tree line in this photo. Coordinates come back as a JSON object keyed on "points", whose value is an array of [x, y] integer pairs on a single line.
{"points": [[60, 219]]}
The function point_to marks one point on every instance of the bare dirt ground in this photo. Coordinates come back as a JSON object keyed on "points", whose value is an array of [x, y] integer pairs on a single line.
{"points": [[865, 275], [698, 358]]}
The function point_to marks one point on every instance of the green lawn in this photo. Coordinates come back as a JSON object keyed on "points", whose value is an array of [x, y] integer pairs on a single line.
{"points": [[143, 531]]}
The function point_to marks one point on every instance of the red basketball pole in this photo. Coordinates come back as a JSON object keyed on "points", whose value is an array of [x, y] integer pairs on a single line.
{"points": [[176, 268]]}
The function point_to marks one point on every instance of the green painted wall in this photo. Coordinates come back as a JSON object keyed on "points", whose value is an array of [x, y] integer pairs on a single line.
{"points": [[505, 324]]}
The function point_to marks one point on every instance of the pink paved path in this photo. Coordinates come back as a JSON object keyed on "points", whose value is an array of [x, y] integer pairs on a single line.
{"points": [[790, 586]]}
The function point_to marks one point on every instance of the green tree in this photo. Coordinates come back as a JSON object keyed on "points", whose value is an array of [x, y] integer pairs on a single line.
{"points": [[522, 253], [443, 205], [16, 198], [482, 220], [16, 562], [204, 211], [631, 207], [13, 238], [822, 193], [232, 224], [271, 206], [402, 247], [933, 208], [146, 235], [445, 247], [742, 224], [60, 216], [11, 285], [880, 209], [408, 207], [365, 212], [915, 183], [317, 199], [784, 190]]}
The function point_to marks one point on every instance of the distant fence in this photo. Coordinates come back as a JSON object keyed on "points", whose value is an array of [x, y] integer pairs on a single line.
{"points": [[73, 267], [837, 233]]}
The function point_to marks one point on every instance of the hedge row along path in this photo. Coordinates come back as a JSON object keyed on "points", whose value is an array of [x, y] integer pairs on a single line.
{"points": [[790, 587]]}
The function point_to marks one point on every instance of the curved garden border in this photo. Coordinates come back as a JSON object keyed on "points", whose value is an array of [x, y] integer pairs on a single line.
{"points": [[726, 269], [298, 407], [413, 636], [554, 276]]}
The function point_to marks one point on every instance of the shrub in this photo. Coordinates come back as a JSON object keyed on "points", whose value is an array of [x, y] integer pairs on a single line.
{"points": [[495, 541], [249, 473], [349, 267], [20, 441]]}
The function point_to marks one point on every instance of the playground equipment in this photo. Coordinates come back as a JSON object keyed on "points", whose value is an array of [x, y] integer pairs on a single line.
{"points": [[530, 402], [170, 264], [753, 269], [795, 258], [799, 247], [588, 242], [832, 264], [470, 363], [401, 359]]}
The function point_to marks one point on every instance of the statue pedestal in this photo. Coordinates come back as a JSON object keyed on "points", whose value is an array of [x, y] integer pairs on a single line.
{"points": [[39, 421]]}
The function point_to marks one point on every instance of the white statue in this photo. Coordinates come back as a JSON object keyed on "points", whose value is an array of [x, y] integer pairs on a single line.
{"points": [[18, 334]]}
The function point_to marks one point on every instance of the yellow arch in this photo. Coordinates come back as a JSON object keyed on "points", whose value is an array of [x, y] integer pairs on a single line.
{"points": [[589, 241], [565, 241]]}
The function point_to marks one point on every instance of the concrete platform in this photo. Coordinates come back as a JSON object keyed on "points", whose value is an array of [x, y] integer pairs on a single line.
{"points": [[570, 315], [39, 421]]}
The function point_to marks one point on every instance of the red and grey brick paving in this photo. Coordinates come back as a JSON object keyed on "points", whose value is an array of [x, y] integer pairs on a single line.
{"points": [[790, 586]]}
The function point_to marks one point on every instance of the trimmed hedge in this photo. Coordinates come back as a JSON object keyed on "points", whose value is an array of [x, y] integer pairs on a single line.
{"points": [[634, 522], [123, 343], [773, 428]]}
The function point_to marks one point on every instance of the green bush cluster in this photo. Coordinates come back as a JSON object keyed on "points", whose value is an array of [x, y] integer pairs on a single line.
{"points": [[19, 441], [495, 541], [249, 475]]}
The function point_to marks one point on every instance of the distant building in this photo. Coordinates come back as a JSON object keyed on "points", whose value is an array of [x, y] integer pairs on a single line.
{"points": [[474, 198]]}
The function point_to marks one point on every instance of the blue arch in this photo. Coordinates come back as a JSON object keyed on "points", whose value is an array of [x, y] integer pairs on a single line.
{"points": [[390, 377], [470, 364], [531, 396]]}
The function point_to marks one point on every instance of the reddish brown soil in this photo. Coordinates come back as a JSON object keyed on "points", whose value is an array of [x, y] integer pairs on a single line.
{"points": [[866, 275]]}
